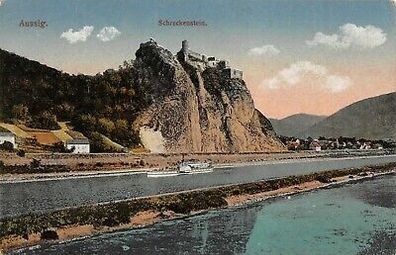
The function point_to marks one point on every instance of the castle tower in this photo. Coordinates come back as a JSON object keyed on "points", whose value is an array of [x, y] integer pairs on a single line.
{"points": [[185, 47]]}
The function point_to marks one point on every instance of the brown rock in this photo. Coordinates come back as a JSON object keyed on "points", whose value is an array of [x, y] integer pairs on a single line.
{"points": [[190, 110]]}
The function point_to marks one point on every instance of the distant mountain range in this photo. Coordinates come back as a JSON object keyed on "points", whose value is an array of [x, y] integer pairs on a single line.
{"points": [[373, 118], [296, 124]]}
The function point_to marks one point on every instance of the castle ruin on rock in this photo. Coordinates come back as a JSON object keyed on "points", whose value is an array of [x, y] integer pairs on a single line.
{"points": [[201, 61], [197, 104]]}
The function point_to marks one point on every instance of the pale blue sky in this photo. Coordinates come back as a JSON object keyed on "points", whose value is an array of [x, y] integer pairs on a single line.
{"points": [[233, 28]]}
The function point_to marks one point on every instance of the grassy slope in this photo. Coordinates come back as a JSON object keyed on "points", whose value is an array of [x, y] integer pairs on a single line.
{"points": [[62, 133], [15, 130], [370, 118], [295, 124]]}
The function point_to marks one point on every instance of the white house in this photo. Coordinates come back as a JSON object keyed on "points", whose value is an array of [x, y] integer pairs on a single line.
{"points": [[8, 137], [79, 145], [315, 145]]}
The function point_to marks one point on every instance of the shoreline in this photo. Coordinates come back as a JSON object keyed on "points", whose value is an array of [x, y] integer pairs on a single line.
{"points": [[36, 177], [301, 188], [147, 216]]}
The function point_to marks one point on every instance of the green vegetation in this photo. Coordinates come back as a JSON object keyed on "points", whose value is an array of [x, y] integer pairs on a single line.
{"points": [[39, 96], [34, 167], [98, 143], [44, 120]]}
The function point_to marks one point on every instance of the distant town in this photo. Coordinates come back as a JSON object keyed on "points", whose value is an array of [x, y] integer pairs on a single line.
{"points": [[323, 143], [37, 140]]}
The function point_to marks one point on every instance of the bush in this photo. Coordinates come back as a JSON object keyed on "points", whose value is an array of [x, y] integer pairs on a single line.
{"points": [[7, 146], [64, 111], [49, 234], [105, 126], [323, 179], [85, 122], [98, 144], [21, 153], [45, 120], [36, 163], [20, 112], [60, 147]]}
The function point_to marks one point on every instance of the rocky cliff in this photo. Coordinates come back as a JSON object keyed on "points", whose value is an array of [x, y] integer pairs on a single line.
{"points": [[195, 110], [161, 101]]}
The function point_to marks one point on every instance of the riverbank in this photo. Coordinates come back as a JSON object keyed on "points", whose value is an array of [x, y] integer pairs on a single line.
{"points": [[50, 169], [72, 223]]}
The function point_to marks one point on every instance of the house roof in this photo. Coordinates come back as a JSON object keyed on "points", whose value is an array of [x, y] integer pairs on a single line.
{"points": [[78, 141], [6, 134]]}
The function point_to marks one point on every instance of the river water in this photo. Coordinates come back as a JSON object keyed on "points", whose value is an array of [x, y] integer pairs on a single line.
{"points": [[36, 196], [355, 218]]}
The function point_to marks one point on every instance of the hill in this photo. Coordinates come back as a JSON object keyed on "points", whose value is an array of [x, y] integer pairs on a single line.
{"points": [[294, 125], [372, 118], [164, 102]]}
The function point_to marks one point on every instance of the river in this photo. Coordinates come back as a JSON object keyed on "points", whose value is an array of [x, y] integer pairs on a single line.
{"points": [[355, 218], [37, 196]]}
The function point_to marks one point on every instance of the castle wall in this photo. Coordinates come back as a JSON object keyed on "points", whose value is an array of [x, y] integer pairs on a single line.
{"points": [[201, 61], [233, 73]]}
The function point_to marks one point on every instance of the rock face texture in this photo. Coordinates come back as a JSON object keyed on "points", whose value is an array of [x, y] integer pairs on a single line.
{"points": [[195, 110], [167, 103]]}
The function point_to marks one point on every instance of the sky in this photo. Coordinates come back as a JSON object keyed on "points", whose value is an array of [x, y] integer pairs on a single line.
{"points": [[298, 56]]}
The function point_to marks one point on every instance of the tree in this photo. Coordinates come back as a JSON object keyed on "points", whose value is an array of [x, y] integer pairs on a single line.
{"points": [[121, 125], [85, 122], [105, 126], [45, 120], [20, 112], [64, 111]]}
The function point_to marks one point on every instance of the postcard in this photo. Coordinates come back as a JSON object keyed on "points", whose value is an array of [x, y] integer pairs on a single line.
{"points": [[197, 127]]}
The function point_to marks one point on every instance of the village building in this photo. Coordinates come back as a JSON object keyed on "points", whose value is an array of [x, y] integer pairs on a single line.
{"points": [[365, 146], [202, 62], [80, 146], [315, 145], [293, 144], [8, 137]]}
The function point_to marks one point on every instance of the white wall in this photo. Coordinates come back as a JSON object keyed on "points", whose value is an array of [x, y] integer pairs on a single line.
{"points": [[79, 148], [212, 63], [10, 139]]}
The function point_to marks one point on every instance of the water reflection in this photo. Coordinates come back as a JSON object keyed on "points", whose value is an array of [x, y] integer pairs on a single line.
{"points": [[211, 233], [339, 220], [378, 193]]}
